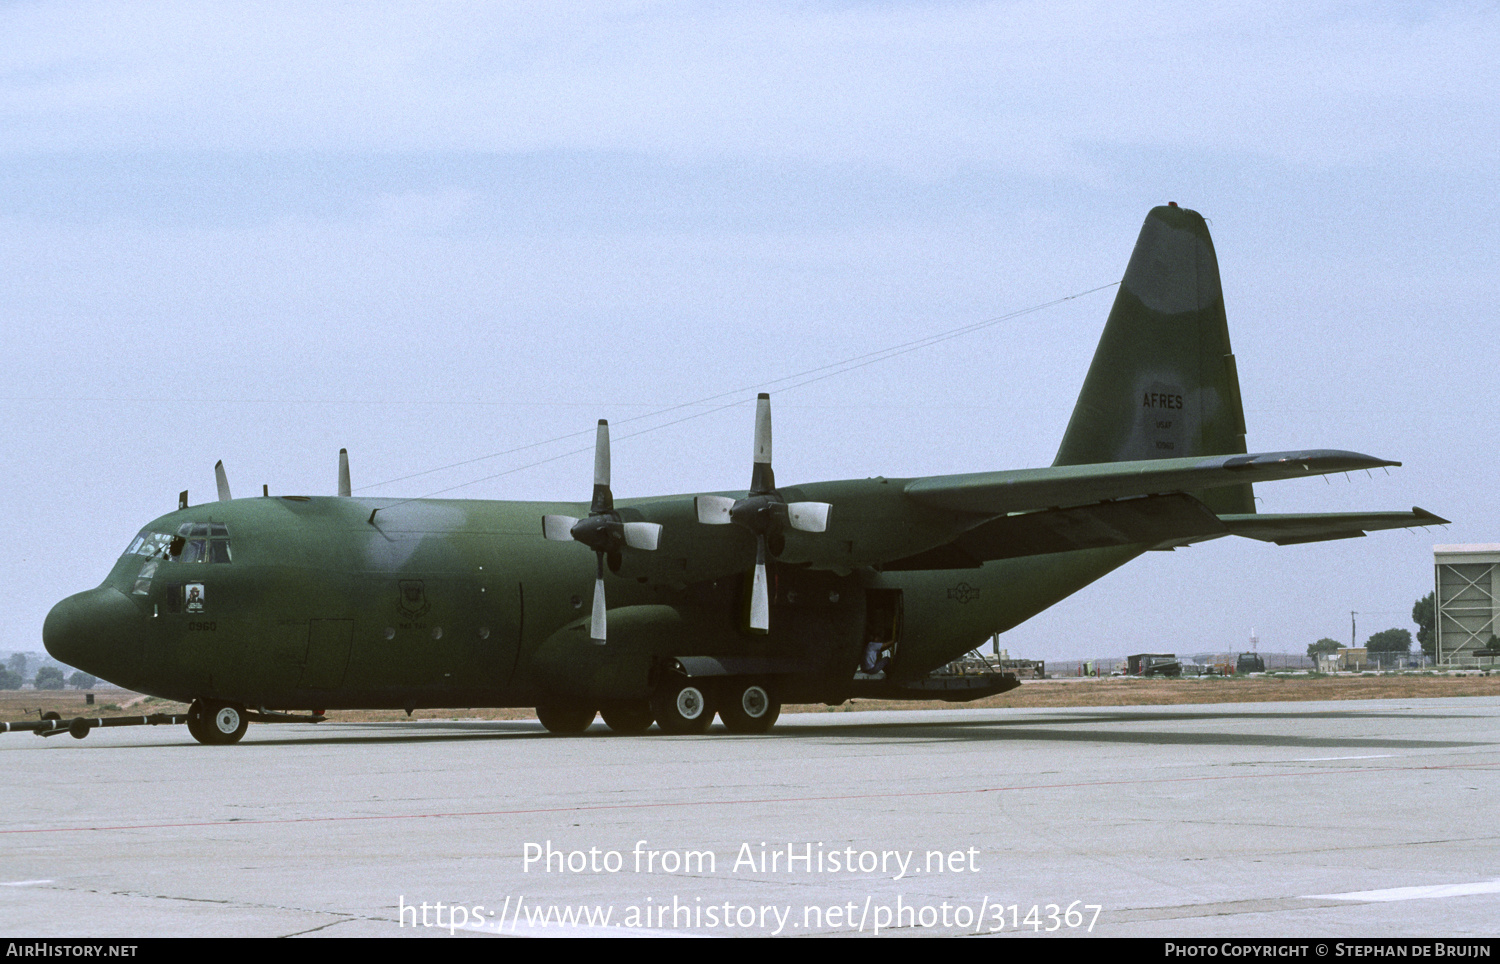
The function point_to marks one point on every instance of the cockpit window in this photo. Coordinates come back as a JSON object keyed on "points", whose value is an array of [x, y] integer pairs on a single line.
{"points": [[143, 579], [201, 542], [152, 545], [193, 542]]}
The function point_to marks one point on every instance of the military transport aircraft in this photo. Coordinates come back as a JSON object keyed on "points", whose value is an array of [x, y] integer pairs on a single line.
{"points": [[728, 603]]}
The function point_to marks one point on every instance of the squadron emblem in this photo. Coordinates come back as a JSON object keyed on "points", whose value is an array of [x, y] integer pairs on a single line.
{"points": [[413, 603]]}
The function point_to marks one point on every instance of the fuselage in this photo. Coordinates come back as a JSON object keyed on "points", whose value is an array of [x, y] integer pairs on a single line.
{"points": [[326, 603]]}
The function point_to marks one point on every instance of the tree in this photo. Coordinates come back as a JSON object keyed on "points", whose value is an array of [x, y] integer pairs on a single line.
{"points": [[1390, 641], [9, 680], [1424, 614], [1324, 645], [48, 678], [81, 680], [17, 665]]}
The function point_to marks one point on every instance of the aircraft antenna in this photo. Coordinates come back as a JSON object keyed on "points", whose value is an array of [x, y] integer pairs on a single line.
{"points": [[736, 396]]}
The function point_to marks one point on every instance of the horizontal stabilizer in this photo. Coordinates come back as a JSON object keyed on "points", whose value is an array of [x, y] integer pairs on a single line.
{"points": [[991, 493], [1294, 528]]}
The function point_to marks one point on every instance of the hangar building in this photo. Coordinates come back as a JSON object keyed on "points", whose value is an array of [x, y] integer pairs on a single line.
{"points": [[1467, 597]]}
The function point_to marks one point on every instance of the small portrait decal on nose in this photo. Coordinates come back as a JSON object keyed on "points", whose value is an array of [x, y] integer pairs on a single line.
{"points": [[195, 597], [413, 604]]}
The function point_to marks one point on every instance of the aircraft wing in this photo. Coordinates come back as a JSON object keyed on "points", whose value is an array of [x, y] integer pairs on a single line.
{"points": [[991, 493], [961, 521]]}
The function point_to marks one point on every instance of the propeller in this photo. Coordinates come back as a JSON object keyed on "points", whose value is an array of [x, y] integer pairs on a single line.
{"points": [[344, 489], [764, 512], [603, 531], [223, 481]]}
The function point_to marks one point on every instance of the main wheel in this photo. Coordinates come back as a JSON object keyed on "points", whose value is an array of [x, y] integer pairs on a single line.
{"points": [[565, 719], [683, 706], [195, 723], [749, 707], [219, 724], [628, 717]]}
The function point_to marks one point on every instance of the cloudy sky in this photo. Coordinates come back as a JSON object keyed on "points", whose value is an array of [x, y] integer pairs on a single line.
{"points": [[434, 233]]}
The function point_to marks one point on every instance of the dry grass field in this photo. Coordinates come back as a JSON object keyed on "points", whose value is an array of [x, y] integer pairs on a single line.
{"points": [[1109, 691], [108, 701]]}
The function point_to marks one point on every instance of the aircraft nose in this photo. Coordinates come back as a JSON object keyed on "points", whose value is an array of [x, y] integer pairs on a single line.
{"points": [[91, 630]]}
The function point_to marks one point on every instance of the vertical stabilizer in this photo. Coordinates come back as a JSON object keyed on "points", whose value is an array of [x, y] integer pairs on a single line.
{"points": [[1163, 382]]}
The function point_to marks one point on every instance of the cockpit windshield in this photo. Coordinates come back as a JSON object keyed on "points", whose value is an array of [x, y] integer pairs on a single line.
{"points": [[200, 542], [193, 542]]}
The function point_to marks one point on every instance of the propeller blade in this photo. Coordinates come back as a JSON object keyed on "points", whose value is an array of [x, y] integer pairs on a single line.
{"points": [[761, 478], [808, 516], [760, 594], [713, 510], [344, 489], [642, 535], [558, 528], [223, 481], [597, 621], [604, 500], [763, 428]]}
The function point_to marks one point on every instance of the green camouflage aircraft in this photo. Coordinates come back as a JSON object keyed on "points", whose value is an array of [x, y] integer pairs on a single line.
{"points": [[727, 604]]}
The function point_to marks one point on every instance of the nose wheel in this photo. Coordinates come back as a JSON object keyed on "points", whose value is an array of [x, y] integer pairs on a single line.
{"points": [[213, 723]]}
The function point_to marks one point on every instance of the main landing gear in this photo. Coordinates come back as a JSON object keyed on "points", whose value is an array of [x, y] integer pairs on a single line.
{"points": [[568, 719], [680, 705], [751, 707], [217, 724], [683, 705], [628, 717]]}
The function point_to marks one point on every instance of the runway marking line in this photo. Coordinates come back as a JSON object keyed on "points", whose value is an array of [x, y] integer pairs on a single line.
{"points": [[240, 822], [1426, 892]]}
